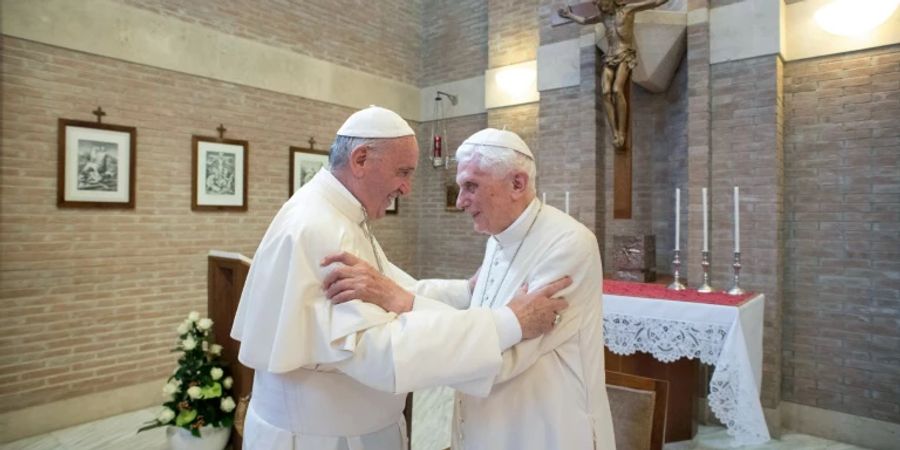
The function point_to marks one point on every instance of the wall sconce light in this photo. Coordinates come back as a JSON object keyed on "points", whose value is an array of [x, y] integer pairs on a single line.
{"points": [[515, 80], [439, 157], [854, 17]]}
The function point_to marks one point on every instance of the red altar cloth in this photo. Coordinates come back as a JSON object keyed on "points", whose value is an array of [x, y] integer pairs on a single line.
{"points": [[659, 291]]}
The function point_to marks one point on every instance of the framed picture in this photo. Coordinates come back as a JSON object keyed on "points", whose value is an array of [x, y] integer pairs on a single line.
{"points": [[96, 165], [394, 207], [451, 195], [219, 174], [305, 164]]}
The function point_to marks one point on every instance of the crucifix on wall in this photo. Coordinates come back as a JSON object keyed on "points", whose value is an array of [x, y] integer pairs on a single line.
{"points": [[620, 58]]}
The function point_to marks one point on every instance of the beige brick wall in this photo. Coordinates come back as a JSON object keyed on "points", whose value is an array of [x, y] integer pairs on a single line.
{"points": [[93, 296], [454, 45], [842, 296], [747, 151]]}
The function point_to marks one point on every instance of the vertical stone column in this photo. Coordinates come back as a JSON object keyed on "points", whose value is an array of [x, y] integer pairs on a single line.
{"points": [[698, 135]]}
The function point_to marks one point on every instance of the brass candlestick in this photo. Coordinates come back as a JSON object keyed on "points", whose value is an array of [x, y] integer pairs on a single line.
{"points": [[676, 265], [735, 284], [705, 287]]}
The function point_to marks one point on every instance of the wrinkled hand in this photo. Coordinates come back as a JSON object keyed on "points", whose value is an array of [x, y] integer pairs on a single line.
{"points": [[537, 310], [357, 280]]}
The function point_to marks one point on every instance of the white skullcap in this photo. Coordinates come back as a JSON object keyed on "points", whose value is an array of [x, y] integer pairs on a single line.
{"points": [[492, 137], [375, 122]]}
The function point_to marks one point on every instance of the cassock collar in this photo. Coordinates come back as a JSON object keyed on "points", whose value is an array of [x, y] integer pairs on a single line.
{"points": [[338, 195], [516, 232]]}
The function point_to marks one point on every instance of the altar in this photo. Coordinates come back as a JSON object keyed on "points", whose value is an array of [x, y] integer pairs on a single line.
{"points": [[721, 330]]}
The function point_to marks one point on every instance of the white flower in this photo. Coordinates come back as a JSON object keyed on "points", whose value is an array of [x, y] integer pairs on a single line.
{"points": [[205, 346], [227, 382], [194, 392], [215, 349], [194, 316], [216, 373], [176, 382], [227, 404], [184, 327], [189, 343], [165, 415], [205, 323], [170, 389]]}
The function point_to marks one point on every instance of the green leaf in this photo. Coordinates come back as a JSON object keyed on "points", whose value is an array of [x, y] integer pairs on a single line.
{"points": [[211, 391], [185, 417]]}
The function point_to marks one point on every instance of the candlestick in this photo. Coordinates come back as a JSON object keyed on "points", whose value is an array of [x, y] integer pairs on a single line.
{"points": [[567, 202], [676, 265], [705, 288], [735, 283], [677, 219], [705, 223], [737, 220]]}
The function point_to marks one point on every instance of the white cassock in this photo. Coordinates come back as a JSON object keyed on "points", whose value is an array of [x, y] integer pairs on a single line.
{"points": [[328, 376], [551, 391]]}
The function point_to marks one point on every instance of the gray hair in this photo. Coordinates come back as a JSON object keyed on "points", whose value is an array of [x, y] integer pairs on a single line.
{"points": [[341, 148], [499, 160]]}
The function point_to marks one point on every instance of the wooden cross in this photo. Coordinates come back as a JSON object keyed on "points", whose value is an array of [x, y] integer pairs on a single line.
{"points": [[99, 113], [221, 129], [312, 143]]}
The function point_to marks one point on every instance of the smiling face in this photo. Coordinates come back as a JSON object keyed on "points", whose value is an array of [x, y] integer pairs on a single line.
{"points": [[385, 172], [493, 200]]}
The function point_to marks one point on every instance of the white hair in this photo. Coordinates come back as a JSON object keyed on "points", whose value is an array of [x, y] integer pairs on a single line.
{"points": [[341, 148], [499, 160]]}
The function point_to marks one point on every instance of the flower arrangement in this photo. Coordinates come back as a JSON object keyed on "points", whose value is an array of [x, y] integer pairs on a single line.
{"points": [[197, 392]]}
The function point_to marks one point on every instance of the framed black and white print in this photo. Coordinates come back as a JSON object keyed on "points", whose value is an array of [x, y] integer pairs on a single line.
{"points": [[394, 207], [305, 164], [96, 165], [219, 174]]}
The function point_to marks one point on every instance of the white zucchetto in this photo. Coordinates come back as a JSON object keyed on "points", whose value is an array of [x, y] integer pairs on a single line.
{"points": [[375, 122], [492, 137]]}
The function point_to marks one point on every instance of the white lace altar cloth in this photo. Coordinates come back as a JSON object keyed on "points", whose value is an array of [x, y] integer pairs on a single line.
{"points": [[727, 337]]}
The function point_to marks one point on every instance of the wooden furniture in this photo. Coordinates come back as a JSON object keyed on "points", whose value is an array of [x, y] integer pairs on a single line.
{"points": [[226, 275], [680, 375], [638, 406]]}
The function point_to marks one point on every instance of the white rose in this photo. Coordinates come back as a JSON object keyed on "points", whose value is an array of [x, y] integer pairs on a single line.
{"points": [[227, 382], [189, 343], [184, 327], [165, 416], [205, 346], [194, 392], [215, 349], [205, 323], [216, 373], [194, 316], [227, 404], [170, 389]]}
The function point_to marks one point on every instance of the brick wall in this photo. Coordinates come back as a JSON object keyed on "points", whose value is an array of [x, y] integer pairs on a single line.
{"points": [[92, 296], [454, 43], [513, 31], [747, 151], [842, 296], [381, 37]]}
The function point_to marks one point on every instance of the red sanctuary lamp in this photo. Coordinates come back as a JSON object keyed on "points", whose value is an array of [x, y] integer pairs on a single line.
{"points": [[439, 131]]}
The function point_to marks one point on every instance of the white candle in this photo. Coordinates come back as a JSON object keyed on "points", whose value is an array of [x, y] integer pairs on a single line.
{"points": [[544, 197], [567, 202], [705, 224], [737, 220], [677, 218]]}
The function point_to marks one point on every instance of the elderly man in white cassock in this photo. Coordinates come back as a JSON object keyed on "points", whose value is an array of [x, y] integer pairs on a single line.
{"points": [[328, 375], [551, 391]]}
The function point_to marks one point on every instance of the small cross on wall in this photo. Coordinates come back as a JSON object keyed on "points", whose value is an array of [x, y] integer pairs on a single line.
{"points": [[99, 113], [221, 129], [312, 143]]}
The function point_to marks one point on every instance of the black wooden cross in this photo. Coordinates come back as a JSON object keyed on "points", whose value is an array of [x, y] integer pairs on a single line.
{"points": [[99, 113], [312, 143], [221, 129]]}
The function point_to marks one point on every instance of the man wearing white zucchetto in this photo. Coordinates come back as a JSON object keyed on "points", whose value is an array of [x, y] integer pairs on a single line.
{"points": [[328, 376], [550, 393]]}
